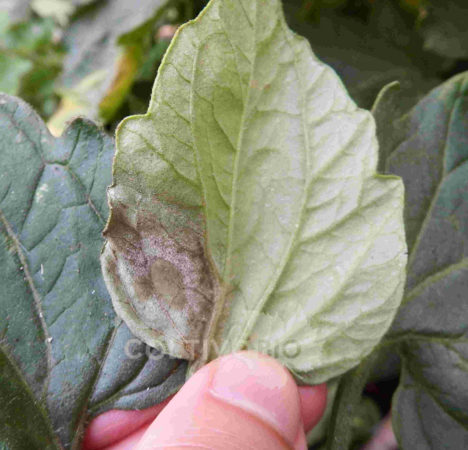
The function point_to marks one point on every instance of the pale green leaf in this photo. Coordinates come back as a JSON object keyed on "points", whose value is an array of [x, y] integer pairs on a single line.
{"points": [[246, 211]]}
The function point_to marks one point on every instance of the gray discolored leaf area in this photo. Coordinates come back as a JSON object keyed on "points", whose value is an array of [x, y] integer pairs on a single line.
{"points": [[64, 356], [431, 404], [246, 211]]}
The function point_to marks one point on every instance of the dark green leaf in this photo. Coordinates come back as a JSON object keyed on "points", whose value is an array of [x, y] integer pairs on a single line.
{"points": [[431, 405], [63, 354], [367, 54]]}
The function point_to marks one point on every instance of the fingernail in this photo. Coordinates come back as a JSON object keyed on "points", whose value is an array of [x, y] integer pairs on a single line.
{"points": [[262, 387]]}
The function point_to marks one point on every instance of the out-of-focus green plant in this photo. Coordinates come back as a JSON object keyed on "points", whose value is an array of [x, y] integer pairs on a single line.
{"points": [[30, 61]]}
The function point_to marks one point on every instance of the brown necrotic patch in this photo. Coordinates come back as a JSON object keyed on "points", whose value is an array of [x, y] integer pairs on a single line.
{"points": [[164, 282], [165, 272]]}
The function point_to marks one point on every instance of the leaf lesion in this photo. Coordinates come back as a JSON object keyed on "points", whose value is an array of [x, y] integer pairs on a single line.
{"points": [[167, 274], [242, 197]]}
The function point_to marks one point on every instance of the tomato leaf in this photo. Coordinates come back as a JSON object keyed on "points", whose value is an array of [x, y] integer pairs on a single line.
{"points": [[430, 329], [64, 356], [368, 54], [245, 208]]}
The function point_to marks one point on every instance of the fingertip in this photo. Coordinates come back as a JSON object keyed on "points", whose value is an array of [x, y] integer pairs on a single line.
{"points": [[248, 389], [313, 404], [130, 442], [115, 425], [244, 400], [259, 384]]}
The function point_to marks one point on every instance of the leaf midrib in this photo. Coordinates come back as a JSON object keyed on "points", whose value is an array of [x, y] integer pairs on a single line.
{"points": [[227, 275], [234, 181], [36, 297], [252, 319], [221, 296]]}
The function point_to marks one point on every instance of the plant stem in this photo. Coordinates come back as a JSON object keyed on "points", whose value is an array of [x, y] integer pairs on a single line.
{"points": [[340, 432]]}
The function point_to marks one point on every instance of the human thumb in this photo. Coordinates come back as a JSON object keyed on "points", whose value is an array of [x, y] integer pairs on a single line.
{"points": [[240, 401]]}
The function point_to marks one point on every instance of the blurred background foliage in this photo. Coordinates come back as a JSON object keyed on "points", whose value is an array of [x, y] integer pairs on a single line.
{"points": [[99, 58]]}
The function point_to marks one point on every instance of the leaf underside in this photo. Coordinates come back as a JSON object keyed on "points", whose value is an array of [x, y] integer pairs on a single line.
{"points": [[245, 207]]}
